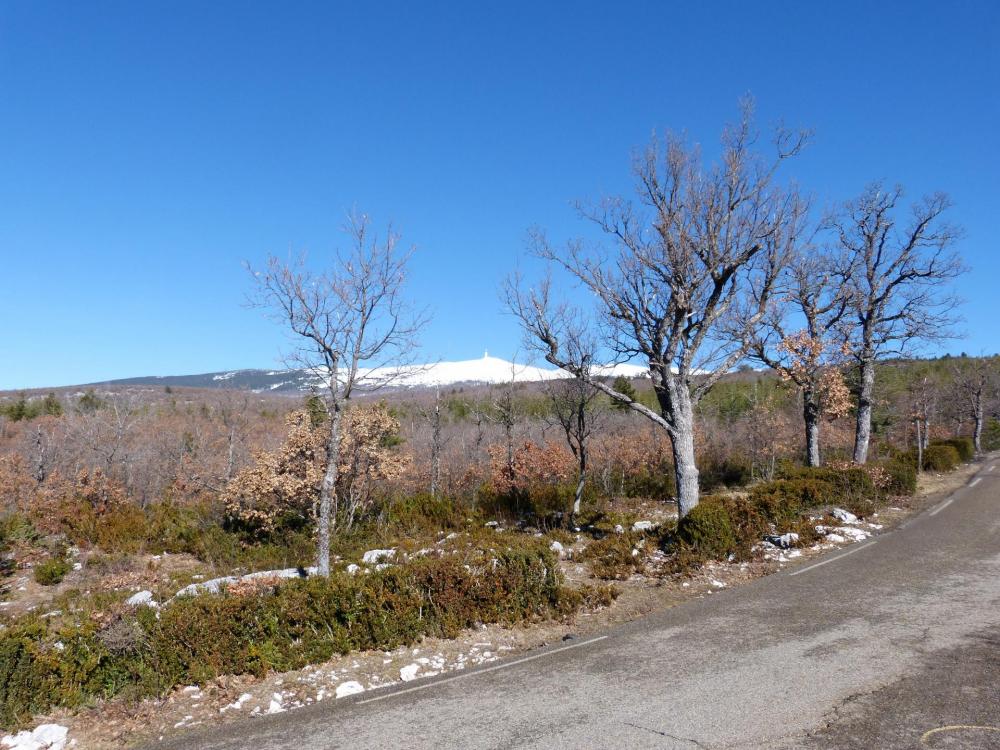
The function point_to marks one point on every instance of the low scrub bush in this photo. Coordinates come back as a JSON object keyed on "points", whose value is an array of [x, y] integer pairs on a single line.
{"points": [[655, 483], [51, 571], [279, 627], [616, 557], [708, 529], [723, 525], [940, 458], [991, 435], [853, 487], [724, 473], [964, 446], [544, 505], [901, 474]]}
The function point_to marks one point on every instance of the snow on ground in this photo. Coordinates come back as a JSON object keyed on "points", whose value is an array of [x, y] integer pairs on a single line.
{"points": [[42, 737], [215, 585]]}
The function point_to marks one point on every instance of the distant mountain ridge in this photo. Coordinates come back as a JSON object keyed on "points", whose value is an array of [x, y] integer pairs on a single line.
{"points": [[484, 371]]}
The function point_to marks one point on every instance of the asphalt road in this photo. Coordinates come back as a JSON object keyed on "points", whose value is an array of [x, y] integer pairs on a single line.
{"points": [[890, 643]]}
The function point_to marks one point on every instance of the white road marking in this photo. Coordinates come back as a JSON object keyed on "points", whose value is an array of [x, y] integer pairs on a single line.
{"points": [[860, 547], [941, 507], [974, 482], [495, 668]]}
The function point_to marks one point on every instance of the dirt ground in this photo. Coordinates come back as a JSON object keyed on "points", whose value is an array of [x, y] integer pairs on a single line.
{"points": [[119, 724]]}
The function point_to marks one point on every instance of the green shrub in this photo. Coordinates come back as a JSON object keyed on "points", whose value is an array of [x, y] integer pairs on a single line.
{"points": [[723, 525], [274, 627], [611, 558], [708, 529], [991, 435], [51, 571], [964, 446], [853, 488], [545, 505], [423, 512], [723, 473], [656, 484], [941, 458], [901, 471]]}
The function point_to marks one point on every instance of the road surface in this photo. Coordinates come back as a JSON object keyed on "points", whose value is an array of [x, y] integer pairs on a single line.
{"points": [[890, 643]]}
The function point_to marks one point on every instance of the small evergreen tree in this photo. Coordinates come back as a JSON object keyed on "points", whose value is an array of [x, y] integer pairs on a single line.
{"points": [[52, 406], [624, 386]]}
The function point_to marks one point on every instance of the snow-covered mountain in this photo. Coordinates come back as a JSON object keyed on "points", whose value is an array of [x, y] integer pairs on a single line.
{"points": [[484, 371]]}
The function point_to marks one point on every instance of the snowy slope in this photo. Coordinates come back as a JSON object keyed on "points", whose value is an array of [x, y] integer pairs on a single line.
{"points": [[484, 371]]}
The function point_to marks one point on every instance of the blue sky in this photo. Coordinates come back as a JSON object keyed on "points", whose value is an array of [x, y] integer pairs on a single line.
{"points": [[147, 149]]}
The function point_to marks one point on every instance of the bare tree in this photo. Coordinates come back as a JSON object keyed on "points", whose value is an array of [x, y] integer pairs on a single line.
{"points": [[809, 356], [691, 276], [923, 406], [574, 404], [432, 416], [895, 273], [503, 410], [978, 383], [350, 320]]}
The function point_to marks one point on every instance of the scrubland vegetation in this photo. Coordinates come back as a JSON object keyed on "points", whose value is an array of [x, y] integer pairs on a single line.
{"points": [[92, 512], [383, 518]]}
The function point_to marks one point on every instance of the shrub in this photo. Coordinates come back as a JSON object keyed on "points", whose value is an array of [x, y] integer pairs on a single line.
{"points": [[902, 474], [708, 528], [612, 558], [991, 435], [852, 487], [964, 446], [723, 525], [655, 483], [51, 571], [724, 473], [281, 626], [941, 457]]}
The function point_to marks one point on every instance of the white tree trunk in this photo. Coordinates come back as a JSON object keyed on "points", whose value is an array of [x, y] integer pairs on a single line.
{"points": [[328, 494], [863, 429], [977, 417], [682, 445], [810, 414]]}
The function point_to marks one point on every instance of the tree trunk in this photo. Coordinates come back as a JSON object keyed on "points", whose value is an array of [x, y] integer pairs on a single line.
{"points": [[682, 447], [328, 493], [810, 413], [436, 447], [578, 497], [920, 447], [977, 423], [863, 429]]}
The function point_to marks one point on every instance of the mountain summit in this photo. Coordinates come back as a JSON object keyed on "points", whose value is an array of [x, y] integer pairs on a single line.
{"points": [[483, 371]]}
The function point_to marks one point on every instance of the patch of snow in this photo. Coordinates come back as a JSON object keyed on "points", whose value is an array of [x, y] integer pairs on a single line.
{"points": [[557, 548], [844, 516], [237, 704], [718, 584], [377, 555], [275, 707], [353, 568], [42, 737], [619, 529], [836, 538], [855, 535], [143, 598], [643, 526], [409, 672], [215, 585], [349, 688]]}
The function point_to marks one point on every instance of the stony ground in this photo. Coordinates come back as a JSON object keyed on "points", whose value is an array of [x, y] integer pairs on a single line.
{"points": [[117, 724]]}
